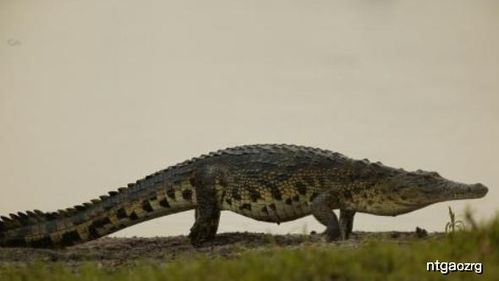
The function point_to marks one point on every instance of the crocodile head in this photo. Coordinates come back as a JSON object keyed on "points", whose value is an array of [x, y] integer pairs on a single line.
{"points": [[403, 192]]}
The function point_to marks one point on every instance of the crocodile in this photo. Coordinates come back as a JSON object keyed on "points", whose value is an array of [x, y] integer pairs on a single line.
{"points": [[267, 182]]}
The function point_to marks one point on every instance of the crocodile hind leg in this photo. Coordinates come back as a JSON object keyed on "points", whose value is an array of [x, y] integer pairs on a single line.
{"points": [[207, 212], [322, 210], [346, 223]]}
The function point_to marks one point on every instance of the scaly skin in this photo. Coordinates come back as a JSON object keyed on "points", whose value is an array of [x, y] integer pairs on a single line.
{"points": [[273, 183]]}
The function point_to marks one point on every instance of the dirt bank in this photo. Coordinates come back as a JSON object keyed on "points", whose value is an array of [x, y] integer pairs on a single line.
{"points": [[111, 252]]}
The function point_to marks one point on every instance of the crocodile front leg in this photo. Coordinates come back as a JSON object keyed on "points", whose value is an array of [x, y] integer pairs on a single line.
{"points": [[207, 212], [322, 209]]}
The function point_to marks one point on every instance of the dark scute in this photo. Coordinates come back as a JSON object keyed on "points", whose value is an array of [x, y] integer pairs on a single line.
{"points": [[5, 219], [301, 187], [70, 238], [283, 177], [121, 213], [289, 201], [264, 209], [255, 195], [276, 192], [235, 193], [229, 201], [22, 215], [187, 194], [170, 193], [51, 216], [14, 217], [146, 206], [101, 222], [164, 203], [92, 232], [347, 195], [192, 181], [223, 182], [112, 193], [435, 174], [313, 196], [273, 207], [23, 218], [133, 216]]}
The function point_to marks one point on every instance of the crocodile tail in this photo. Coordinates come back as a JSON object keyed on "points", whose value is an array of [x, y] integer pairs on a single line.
{"points": [[110, 213]]}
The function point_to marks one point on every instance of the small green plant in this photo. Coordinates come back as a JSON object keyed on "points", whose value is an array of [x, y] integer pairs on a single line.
{"points": [[453, 224]]}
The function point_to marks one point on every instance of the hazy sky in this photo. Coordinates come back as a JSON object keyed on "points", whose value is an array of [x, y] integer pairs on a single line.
{"points": [[96, 94]]}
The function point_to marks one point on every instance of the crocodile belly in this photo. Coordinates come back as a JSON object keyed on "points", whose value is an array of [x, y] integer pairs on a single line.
{"points": [[274, 211]]}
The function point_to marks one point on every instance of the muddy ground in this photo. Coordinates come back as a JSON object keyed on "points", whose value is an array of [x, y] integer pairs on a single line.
{"points": [[112, 252]]}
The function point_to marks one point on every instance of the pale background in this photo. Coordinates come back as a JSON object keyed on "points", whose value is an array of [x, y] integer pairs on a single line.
{"points": [[96, 94]]}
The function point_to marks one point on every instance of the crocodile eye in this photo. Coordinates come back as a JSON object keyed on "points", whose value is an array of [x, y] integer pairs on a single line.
{"points": [[435, 174]]}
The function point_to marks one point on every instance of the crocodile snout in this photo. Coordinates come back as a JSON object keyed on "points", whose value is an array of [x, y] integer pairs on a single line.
{"points": [[479, 189]]}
